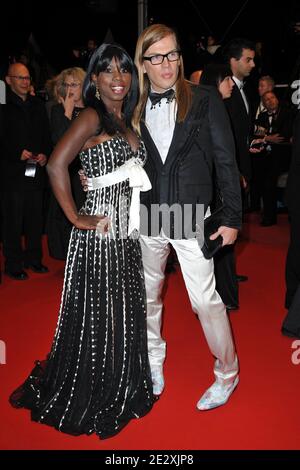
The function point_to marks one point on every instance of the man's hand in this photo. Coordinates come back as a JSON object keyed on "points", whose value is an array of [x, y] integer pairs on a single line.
{"points": [[256, 145], [83, 180], [274, 138], [26, 154], [41, 159], [228, 234], [93, 222]]}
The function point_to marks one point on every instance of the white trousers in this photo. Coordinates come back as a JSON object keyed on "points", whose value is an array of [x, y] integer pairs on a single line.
{"points": [[198, 274]]}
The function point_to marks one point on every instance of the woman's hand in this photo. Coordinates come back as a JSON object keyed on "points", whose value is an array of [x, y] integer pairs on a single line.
{"points": [[68, 103], [244, 182]]}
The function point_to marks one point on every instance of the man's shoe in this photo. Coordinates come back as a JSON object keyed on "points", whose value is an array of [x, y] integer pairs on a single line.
{"points": [[230, 307], [157, 381], [17, 275], [267, 223], [241, 278], [37, 268], [217, 395]]}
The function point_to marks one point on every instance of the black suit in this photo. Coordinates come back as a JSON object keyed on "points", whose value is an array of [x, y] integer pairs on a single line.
{"points": [[240, 119], [201, 143], [241, 127], [23, 125], [272, 161]]}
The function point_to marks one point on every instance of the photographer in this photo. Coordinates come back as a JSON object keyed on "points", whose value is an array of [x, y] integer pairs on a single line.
{"points": [[275, 125], [25, 144]]}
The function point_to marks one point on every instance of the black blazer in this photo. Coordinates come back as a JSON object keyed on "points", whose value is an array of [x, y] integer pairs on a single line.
{"points": [[241, 127], [23, 125], [202, 144], [283, 125]]}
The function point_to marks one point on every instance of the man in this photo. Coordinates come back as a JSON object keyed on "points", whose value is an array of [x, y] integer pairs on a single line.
{"points": [[24, 145], [265, 83], [239, 54], [187, 132], [277, 122]]}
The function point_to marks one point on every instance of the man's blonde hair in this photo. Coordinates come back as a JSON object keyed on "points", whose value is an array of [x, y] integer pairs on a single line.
{"points": [[148, 37]]}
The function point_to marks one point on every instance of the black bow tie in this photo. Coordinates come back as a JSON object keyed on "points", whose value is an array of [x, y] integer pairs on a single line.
{"points": [[157, 97]]}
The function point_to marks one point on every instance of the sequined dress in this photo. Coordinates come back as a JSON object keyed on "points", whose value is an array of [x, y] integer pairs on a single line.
{"points": [[97, 376]]}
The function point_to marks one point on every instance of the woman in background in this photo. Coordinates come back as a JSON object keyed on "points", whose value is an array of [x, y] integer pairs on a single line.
{"points": [[67, 93]]}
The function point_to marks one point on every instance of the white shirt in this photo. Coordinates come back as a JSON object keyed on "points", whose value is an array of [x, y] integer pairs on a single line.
{"points": [[239, 84], [260, 109], [160, 122]]}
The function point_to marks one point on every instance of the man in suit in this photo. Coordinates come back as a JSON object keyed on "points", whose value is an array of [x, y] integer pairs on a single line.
{"points": [[277, 121], [265, 83], [239, 54], [187, 134], [24, 145]]}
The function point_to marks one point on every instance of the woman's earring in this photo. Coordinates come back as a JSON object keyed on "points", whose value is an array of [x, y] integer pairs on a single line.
{"points": [[97, 94]]}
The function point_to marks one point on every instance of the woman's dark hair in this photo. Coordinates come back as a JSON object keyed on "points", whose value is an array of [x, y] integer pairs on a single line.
{"points": [[214, 74], [99, 62]]}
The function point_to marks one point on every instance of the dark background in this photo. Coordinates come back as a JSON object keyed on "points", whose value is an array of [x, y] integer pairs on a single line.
{"points": [[58, 26]]}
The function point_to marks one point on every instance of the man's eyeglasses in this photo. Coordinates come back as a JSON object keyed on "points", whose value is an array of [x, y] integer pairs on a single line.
{"points": [[20, 77], [159, 58], [71, 85]]}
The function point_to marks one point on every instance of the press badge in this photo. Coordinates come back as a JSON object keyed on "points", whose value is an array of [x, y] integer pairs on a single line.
{"points": [[30, 169]]}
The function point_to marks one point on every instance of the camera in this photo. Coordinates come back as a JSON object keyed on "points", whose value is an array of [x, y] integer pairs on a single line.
{"points": [[257, 145]]}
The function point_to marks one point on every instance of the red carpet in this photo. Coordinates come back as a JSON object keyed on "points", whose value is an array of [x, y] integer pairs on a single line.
{"points": [[263, 412]]}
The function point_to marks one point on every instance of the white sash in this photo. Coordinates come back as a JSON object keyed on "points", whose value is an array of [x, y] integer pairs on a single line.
{"points": [[138, 181]]}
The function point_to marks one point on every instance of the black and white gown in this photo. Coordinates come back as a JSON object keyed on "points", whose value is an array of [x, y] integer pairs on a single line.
{"points": [[97, 375]]}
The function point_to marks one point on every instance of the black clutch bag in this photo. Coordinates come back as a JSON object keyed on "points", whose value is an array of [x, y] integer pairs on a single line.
{"points": [[211, 225]]}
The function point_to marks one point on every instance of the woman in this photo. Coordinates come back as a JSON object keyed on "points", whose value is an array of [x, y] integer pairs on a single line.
{"points": [[219, 76], [68, 86], [97, 375], [69, 103]]}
